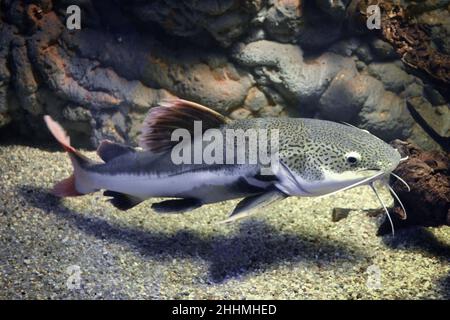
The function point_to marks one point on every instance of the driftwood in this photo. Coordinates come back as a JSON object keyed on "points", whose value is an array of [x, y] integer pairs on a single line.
{"points": [[428, 175], [410, 39], [412, 42]]}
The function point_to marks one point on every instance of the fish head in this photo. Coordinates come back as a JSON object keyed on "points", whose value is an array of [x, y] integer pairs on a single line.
{"points": [[336, 157]]}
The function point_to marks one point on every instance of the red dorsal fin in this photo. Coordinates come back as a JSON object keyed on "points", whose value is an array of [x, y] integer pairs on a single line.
{"points": [[169, 115]]}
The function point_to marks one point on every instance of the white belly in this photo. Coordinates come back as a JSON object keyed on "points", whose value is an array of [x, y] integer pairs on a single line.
{"points": [[210, 186]]}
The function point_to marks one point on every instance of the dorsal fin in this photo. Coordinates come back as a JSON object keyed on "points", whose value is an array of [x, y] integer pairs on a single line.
{"points": [[108, 150], [173, 114]]}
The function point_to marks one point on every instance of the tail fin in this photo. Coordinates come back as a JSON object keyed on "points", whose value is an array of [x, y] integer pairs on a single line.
{"points": [[76, 184], [66, 188]]}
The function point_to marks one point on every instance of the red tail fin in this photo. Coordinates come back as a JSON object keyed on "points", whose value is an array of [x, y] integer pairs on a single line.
{"points": [[66, 187], [59, 133]]}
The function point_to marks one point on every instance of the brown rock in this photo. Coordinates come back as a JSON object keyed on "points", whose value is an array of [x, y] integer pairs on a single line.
{"points": [[255, 99], [240, 113]]}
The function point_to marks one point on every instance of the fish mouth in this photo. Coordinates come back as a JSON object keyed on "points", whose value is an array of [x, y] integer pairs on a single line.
{"points": [[372, 175], [370, 169], [377, 175], [375, 172], [373, 169]]}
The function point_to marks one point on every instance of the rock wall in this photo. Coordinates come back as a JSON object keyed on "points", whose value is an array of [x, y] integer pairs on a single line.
{"points": [[244, 58]]}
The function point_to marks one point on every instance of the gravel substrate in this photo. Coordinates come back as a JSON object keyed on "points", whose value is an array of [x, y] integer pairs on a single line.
{"points": [[291, 250]]}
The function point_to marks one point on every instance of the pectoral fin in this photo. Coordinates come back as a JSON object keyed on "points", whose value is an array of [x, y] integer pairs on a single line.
{"points": [[249, 205]]}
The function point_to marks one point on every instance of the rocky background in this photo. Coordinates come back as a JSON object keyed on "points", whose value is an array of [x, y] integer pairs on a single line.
{"points": [[244, 58]]}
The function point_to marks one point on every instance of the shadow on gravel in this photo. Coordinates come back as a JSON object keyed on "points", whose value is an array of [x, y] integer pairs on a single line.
{"points": [[256, 245], [444, 286], [421, 239]]}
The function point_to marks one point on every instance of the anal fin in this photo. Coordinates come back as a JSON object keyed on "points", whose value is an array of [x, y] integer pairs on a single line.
{"points": [[249, 205], [176, 205], [122, 201]]}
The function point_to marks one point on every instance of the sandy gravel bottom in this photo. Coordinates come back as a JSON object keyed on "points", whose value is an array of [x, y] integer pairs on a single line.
{"points": [[84, 248]]}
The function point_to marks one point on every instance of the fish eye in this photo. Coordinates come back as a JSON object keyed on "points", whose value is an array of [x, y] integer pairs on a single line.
{"points": [[352, 157]]}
